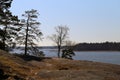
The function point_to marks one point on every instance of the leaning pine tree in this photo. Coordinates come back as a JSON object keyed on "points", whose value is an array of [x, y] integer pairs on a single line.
{"points": [[30, 32]]}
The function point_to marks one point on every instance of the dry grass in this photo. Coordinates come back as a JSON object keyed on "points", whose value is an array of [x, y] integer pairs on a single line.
{"points": [[13, 65], [56, 69]]}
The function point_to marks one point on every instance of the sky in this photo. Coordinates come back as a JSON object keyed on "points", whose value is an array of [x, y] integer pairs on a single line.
{"points": [[88, 20]]}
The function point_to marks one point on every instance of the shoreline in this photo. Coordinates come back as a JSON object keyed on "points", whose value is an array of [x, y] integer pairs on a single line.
{"points": [[36, 68], [96, 51]]}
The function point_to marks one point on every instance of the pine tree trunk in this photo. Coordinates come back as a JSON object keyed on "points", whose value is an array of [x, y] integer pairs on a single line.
{"points": [[26, 39], [4, 36]]}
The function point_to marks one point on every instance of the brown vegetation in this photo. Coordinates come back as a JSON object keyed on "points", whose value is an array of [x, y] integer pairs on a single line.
{"points": [[18, 68]]}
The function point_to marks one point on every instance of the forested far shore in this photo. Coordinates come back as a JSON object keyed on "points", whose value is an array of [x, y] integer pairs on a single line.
{"points": [[105, 46]]}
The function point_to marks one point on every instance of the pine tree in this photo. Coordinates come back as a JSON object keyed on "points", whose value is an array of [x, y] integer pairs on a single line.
{"points": [[8, 24], [30, 31]]}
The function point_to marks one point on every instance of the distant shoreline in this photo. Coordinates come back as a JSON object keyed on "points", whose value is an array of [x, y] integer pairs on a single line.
{"points": [[96, 51], [106, 46]]}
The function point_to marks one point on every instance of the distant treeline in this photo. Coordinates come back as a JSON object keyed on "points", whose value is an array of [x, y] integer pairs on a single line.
{"points": [[106, 46]]}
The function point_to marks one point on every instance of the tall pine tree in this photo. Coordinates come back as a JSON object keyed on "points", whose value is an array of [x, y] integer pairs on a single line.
{"points": [[30, 31]]}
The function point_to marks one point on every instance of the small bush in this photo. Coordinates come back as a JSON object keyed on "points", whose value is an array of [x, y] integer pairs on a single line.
{"points": [[67, 53]]}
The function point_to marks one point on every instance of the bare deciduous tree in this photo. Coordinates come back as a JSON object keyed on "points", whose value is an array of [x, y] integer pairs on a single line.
{"points": [[60, 36], [70, 44]]}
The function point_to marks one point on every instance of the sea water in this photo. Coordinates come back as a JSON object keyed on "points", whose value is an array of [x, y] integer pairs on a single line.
{"points": [[98, 56]]}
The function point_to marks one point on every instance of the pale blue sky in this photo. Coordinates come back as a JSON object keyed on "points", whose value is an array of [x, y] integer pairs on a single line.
{"points": [[88, 20]]}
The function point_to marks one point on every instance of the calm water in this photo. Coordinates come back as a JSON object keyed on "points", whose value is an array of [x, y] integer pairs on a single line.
{"points": [[102, 56], [106, 57]]}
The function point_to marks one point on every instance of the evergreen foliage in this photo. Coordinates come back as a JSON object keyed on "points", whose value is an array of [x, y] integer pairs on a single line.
{"points": [[9, 25], [30, 32]]}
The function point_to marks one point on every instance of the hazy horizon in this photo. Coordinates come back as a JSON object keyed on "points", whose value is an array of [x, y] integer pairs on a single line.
{"points": [[88, 20]]}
